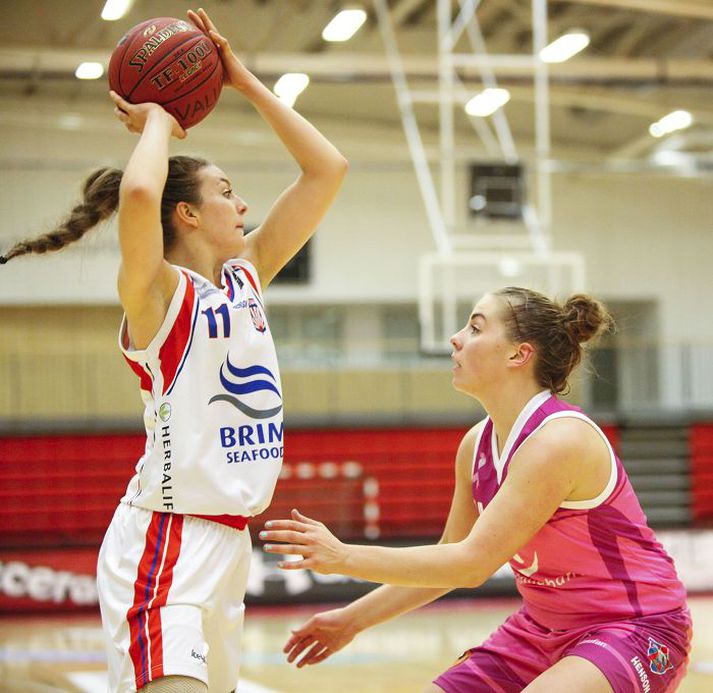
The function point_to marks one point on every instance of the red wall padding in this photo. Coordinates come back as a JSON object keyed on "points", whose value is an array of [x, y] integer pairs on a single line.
{"points": [[702, 471], [62, 490]]}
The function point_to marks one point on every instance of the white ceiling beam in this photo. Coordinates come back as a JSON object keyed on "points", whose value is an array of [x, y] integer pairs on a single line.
{"points": [[699, 9], [355, 66], [620, 104]]}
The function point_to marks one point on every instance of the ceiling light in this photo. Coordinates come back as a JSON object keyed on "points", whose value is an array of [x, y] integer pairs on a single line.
{"points": [[89, 71], [564, 47], [115, 9], [344, 25], [509, 267], [290, 86], [487, 102], [677, 120], [70, 121]]}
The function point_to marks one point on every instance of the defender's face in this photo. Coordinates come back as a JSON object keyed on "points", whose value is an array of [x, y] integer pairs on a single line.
{"points": [[481, 349]]}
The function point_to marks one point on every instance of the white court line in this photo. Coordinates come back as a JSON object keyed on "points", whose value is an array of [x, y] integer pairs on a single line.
{"points": [[98, 682], [90, 681], [252, 687]]}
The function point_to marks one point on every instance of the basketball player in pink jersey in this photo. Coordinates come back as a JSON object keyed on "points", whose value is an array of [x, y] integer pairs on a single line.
{"points": [[173, 566], [539, 486]]}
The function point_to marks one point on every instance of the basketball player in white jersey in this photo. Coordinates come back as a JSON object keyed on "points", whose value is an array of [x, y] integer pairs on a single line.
{"points": [[173, 566]]}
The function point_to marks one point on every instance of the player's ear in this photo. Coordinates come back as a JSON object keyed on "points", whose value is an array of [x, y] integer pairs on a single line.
{"points": [[186, 214], [521, 354]]}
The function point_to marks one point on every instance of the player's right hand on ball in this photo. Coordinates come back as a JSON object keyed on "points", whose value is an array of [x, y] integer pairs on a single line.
{"points": [[135, 115], [323, 635]]}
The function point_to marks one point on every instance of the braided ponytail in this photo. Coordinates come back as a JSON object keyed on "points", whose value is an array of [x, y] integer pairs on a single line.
{"points": [[100, 194]]}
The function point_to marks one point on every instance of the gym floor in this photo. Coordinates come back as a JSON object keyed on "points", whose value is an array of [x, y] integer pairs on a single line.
{"points": [[65, 653]]}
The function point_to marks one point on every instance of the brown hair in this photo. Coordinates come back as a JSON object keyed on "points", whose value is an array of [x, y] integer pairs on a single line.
{"points": [[100, 199], [557, 331]]}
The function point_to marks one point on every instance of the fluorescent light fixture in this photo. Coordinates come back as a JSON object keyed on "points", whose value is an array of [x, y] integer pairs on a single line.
{"points": [[290, 86], [89, 71], [487, 102], [564, 47], [677, 120], [115, 9], [344, 25], [509, 267], [70, 121]]}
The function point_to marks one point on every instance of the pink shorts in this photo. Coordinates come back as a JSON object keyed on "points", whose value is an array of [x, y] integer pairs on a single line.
{"points": [[642, 655]]}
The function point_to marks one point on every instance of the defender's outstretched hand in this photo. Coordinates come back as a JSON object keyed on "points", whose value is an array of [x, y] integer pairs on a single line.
{"points": [[302, 536], [320, 637], [236, 74]]}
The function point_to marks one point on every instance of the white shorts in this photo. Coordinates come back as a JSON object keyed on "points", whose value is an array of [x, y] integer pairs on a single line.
{"points": [[171, 591]]}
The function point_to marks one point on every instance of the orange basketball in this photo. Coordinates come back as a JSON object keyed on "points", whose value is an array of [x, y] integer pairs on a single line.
{"points": [[170, 62]]}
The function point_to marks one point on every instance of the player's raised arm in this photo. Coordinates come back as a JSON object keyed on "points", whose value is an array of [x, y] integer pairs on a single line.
{"points": [[296, 213], [146, 281]]}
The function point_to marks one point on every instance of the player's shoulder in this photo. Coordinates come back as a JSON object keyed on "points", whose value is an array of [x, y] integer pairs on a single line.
{"points": [[570, 429], [569, 441], [247, 268]]}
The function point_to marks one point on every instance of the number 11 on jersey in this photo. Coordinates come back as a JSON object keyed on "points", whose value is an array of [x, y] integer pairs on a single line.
{"points": [[224, 313]]}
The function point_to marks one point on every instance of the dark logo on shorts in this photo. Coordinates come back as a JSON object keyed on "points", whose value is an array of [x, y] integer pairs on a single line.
{"points": [[659, 657], [198, 655]]}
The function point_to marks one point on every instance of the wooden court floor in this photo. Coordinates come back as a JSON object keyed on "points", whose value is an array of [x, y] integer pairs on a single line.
{"points": [[59, 653]]}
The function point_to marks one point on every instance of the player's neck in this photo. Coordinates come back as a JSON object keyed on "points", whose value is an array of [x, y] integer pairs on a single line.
{"points": [[202, 263], [504, 407]]}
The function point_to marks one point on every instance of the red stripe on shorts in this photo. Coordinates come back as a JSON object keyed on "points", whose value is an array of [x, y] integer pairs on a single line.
{"points": [[153, 582], [164, 580]]}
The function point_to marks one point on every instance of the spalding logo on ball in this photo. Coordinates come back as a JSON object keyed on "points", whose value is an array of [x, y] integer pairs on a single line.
{"points": [[170, 62]]}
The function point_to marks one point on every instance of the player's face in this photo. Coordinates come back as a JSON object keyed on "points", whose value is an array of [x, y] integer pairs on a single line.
{"points": [[221, 212], [481, 350]]}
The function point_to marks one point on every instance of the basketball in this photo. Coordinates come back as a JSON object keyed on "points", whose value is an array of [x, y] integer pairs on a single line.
{"points": [[170, 62]]}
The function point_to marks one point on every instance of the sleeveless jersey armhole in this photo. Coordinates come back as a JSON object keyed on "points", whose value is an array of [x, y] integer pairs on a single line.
{"points": [[250, 272], [174, 307], [613, 475]]}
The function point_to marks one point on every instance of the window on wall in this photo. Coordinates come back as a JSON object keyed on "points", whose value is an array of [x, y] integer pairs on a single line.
{"points": [[627, 367], [299, 269], [400, 331], [306, 333]]}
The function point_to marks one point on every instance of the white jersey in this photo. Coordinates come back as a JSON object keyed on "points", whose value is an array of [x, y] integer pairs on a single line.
{"points": [[211, 386]]}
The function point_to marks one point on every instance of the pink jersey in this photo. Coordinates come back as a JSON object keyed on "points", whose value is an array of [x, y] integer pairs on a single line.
{"points": [[594, 561]]}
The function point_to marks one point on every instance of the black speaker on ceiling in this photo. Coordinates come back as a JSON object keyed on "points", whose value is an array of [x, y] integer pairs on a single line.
{"points": [[497, 191]]}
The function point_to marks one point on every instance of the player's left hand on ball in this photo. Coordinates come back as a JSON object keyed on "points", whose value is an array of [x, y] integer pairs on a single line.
{"points": [[319, 550], [235, 73]]}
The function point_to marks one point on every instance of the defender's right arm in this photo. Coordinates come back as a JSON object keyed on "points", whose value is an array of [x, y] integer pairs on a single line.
{"points": [[330, 631]]}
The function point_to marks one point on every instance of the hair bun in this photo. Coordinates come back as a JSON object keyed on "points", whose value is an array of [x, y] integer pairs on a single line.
{"points": [[585, 318]]}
